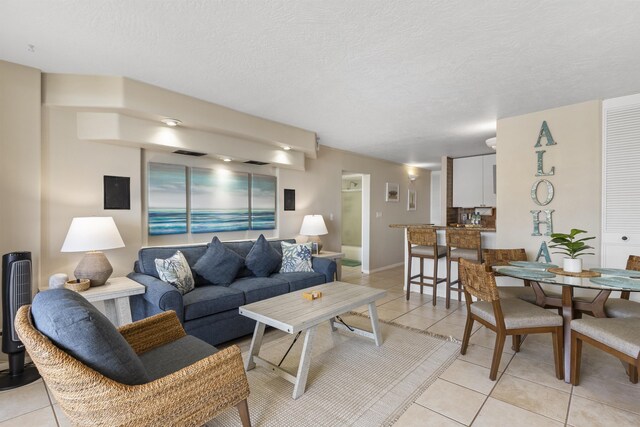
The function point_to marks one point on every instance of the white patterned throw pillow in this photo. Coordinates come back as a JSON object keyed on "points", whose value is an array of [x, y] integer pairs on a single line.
{"points": [[296, 257], [176, 272]]}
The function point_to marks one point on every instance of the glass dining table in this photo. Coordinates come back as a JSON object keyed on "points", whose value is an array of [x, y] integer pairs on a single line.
{"points": [[603, 280]]}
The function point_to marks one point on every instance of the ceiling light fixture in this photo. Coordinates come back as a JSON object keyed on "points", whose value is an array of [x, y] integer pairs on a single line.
{"points": [[226, 159], [412, 177], [171, 122], [491, 143], [286, 148]]}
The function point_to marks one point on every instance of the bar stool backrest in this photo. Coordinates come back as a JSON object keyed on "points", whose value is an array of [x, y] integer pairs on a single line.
{"points": [[422, 236], [463, 239]]}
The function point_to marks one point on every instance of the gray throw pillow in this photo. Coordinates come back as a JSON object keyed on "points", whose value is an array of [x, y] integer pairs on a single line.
{"points": [[219, 265], [263, 259], [73, 324]]}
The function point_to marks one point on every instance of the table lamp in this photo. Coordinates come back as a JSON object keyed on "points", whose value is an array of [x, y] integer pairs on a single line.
{"points": [[314, 226], [92, 235]]}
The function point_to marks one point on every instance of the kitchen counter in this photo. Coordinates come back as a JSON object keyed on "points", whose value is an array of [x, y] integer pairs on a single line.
{"points": [[444, 227]]}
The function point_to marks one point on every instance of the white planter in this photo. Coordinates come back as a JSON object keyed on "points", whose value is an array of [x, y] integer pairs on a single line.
{"points": [[572, 265]]}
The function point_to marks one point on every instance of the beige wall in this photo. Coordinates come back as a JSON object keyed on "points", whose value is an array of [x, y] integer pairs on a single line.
{"points": [[20, 161], [577, 180]]}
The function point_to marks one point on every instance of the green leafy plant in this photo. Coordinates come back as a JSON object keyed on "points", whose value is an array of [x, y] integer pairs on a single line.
{"points": [[569, 245]]}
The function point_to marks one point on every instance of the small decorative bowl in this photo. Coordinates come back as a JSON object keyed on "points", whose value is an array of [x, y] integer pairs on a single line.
{"points": [[78, 286]]}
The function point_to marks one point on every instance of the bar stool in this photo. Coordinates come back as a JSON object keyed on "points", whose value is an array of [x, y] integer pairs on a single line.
{"points": [[461, 244], [427, 247]]}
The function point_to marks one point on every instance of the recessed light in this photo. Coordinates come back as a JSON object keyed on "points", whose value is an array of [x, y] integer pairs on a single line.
{"points": [[286, 148], [226, 159], [171, 122]]}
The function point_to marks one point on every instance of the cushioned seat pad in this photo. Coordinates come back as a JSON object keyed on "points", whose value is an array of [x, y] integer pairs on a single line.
{"points": [[301, 280], [517, 314], [259, 288], [174, 356], [428, 250], [524, 293], [621, 308], [620, 334], [211, 299], [468, 254]]}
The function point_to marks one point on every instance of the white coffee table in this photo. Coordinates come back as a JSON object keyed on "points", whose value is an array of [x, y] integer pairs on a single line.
{"points": [[115, 295], [292, 313]]}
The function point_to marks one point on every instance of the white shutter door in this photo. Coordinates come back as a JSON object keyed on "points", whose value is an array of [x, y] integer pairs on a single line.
{"points": [[621, 180]]}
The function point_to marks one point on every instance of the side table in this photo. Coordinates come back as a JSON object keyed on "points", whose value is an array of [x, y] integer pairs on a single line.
{"points": [[115, 295], [337, 257]]}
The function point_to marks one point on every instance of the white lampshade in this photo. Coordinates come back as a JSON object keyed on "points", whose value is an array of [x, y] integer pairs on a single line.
{"points": [[92, 234], [313, 225]]}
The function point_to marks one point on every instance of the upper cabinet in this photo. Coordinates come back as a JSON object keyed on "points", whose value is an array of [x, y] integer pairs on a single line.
{"points": [[474, 181]]}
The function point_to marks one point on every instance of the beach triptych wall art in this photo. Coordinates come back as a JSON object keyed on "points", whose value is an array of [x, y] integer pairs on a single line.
{"points": [[167, 199], [220, 200], [263, 202]]}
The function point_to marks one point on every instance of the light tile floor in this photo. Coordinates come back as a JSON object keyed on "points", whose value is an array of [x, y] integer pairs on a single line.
{"points": [[526, 392]]}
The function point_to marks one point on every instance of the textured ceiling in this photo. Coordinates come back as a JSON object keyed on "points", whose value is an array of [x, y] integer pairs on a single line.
{"points": [[403, 80]]}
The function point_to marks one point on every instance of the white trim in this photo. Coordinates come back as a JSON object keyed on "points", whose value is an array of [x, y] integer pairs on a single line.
{"points": [[387, 267]]}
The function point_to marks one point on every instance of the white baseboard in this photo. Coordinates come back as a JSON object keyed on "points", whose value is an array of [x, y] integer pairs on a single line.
{"points": [[386, 267]]}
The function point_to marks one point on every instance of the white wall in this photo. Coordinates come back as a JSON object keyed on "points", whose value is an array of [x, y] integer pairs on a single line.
{"points": [[577, 180], [436, 210]]}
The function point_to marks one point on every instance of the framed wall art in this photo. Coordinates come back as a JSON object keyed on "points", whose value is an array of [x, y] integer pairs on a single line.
{"points": [[167, 199], [411, 200], [392, 192]]}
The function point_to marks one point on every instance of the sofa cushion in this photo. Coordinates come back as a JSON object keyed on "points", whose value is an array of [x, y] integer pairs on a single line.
{"points": [[259, 288], [219, 265], [78, 328], [147, 256], [175, 271], [296, 257], [301, 280], [207, 300], [174, 356], [262, 259]]}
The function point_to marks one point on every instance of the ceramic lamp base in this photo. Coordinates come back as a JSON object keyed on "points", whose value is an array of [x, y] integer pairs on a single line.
{"points": [[316, 239], [94, 266]]}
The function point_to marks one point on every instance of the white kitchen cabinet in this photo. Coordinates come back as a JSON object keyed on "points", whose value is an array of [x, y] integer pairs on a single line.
{"points": [[474, 182]]}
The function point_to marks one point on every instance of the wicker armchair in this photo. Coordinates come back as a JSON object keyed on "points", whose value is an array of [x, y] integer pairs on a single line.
{"points": [[189, 397]]}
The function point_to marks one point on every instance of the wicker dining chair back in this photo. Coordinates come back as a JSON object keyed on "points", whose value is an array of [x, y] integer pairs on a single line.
{"points": [[463, 239], [478, 281], [496, 257], [633, 263], [422, 236], [189, 397]]}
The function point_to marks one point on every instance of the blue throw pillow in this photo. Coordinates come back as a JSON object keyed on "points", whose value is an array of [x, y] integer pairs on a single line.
{"points": [[219, 265], [262, 259], [296, 258], [73, 324]]}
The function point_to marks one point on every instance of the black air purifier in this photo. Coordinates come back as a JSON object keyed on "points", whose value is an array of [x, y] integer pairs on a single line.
{"points": [[16, 292]]}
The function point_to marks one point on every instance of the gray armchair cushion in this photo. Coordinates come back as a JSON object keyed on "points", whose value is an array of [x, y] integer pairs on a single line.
{"points": [[174, 356], [620, 334], [207, 300], [78, 328], [263, 259], [259, 288], [219, 265], [621, 308], [301, 280], [517, 314]]}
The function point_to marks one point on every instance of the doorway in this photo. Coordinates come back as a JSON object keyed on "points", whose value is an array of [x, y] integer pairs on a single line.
{"points": [[355, 220]]}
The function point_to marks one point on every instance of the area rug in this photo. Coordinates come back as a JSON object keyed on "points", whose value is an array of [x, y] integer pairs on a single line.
{"points": [[350, 262], [351, 381]]}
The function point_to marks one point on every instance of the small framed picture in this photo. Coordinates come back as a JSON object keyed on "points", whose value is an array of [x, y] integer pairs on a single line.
{"points": [[411, 200], [393, 192]]}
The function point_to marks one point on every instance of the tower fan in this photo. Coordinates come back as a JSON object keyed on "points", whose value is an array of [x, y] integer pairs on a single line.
{"points": [[16, 292]]}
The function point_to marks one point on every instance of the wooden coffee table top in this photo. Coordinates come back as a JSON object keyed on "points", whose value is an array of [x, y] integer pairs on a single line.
{"points": [[292, 313]]}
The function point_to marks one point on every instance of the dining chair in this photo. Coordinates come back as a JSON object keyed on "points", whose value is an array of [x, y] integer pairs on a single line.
{"points": [[503, 257], [461, 244], [618, 337], [613, 307], [426, 241], [505, 317]]}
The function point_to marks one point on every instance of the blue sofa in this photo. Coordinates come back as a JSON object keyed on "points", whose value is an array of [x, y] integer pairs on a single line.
{"points": [[210, 312]]}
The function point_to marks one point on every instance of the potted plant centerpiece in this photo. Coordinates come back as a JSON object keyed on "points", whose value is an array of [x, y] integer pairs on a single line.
{"points": [[570, 245]]}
